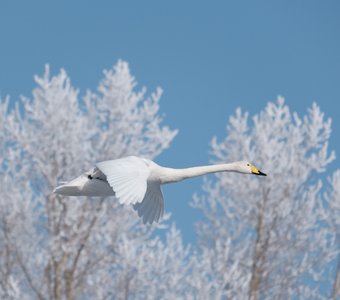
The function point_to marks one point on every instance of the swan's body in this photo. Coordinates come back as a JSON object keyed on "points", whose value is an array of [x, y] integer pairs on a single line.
{"points": [[137, 181]]}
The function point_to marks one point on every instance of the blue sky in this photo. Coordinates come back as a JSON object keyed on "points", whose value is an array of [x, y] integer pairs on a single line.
{"points": [[209, 57]]}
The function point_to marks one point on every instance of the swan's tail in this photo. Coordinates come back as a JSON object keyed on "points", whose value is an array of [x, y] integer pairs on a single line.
{"points": [[67, 190], [72, 188]]}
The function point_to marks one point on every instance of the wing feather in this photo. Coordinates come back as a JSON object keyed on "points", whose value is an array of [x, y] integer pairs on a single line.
{"points": [[128, 178], [159, 212], [152, 207]]}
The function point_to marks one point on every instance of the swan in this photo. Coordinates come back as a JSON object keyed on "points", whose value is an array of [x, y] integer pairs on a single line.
{"points": [[137, 181]]}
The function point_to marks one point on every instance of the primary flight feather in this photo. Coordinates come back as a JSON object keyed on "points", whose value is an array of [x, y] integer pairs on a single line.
{"points": [[137, 181]]}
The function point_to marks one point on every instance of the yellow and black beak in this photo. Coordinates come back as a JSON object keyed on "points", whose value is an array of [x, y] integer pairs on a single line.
{"points": [[257, 172]]}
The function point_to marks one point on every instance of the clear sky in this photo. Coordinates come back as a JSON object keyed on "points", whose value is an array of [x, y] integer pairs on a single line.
{"points": [[209, 57]]}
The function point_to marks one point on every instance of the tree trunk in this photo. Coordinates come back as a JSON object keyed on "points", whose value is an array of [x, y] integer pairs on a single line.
{"points": [[259, 253], [336, 285]]}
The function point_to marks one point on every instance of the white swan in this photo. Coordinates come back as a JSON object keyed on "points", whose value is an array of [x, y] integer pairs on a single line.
{"points": [[137, 181]]}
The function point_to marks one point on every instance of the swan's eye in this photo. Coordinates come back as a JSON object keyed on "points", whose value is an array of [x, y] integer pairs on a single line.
{"points": [[248, 165]]}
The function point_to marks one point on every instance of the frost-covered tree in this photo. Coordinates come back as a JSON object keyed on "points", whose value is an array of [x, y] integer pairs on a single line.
{"points": [[279, 243], [333, 218], [155, 270], [55, 247]]}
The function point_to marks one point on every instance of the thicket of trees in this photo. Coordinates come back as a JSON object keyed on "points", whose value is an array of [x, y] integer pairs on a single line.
{"points": [[278, 229], [261, 238]]}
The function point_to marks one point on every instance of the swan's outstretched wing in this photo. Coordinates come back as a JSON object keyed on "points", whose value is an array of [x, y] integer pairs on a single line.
{"points": [[92, 183], [128, 178], [152, 207]]}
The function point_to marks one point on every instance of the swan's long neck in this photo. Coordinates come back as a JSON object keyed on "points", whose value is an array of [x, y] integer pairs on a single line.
{"points": [[173, 175]]}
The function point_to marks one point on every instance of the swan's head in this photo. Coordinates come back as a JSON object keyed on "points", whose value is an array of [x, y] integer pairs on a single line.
{"points": [[248, 168]]}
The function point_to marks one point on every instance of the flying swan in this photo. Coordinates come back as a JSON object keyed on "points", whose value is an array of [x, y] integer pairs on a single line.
{"points": [[137, 181]]}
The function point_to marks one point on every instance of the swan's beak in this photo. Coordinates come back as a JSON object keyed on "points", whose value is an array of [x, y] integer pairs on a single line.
{"points": [[257, 172]]}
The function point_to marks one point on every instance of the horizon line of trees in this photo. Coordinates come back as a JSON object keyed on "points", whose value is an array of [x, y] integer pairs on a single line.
{"points": [[277, 238]]}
